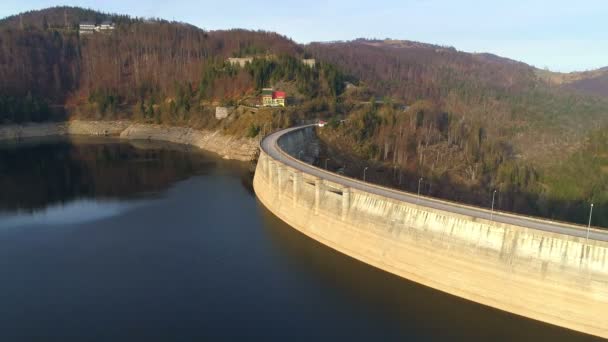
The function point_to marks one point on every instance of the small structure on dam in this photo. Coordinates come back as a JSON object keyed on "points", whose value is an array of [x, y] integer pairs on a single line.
{"points": [[557, 278]]}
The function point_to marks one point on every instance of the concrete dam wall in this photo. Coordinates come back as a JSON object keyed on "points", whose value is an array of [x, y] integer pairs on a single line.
{"points": [[555, 278]]}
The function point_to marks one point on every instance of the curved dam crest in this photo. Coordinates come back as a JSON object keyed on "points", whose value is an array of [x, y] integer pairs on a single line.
{"points": [[551, 277]]}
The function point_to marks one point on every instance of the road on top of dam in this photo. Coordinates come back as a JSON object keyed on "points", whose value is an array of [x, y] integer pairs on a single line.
{"points": [[270, 146]]}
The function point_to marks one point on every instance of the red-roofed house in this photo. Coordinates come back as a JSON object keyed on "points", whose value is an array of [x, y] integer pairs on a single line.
{"points": [[271, 98], [278, 98]]}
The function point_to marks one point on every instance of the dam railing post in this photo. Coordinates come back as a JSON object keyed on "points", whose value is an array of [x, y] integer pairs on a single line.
{"points": [[318, 194]]}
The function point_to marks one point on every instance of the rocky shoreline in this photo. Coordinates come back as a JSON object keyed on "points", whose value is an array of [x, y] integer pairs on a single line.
{"points": [[228, 147]]}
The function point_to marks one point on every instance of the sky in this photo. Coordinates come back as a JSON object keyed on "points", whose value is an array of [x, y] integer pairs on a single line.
{"points": [[560, 35]]}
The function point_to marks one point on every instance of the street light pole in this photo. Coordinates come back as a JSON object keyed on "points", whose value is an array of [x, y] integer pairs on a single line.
{"points": [[326, 159], [419, 181], [492, 213], [364, 170], [589, 225], [264, 130]]}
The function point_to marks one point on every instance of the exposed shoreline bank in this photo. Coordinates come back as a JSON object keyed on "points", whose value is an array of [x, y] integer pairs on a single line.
{"points": [[228, 147]]}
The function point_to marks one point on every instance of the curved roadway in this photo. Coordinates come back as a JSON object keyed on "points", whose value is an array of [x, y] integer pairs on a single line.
{"points": [[270, 146]]}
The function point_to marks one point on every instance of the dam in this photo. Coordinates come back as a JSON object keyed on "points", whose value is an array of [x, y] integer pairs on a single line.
{"points": [[548, 271]]}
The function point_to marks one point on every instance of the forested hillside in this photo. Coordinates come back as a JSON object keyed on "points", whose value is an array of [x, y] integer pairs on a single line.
{"points": [[508, 94], [149, 69], [595, 84], [474, 123], [467, 123]]}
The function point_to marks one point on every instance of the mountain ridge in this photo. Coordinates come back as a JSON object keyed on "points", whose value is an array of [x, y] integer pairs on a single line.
{"points": [[60, 15]]}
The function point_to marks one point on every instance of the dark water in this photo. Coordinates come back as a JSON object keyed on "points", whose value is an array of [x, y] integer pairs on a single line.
{"points": [[103, 241]]}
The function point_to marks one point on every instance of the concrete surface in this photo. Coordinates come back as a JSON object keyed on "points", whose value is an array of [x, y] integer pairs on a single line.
{"points": [[540, 269]]}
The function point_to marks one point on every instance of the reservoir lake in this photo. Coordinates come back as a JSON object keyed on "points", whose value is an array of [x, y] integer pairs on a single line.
{"points": [[107, 240]]}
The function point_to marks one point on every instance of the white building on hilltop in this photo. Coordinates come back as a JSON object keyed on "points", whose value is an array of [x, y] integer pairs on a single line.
{"points": [[311, 62], [88, 27], [240, 61], [105, 26]]}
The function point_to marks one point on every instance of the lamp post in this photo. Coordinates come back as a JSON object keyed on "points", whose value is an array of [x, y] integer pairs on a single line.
{"points": [[364, 170], [264, 130], [589, 224], [492, 212], [326, 159], [419, 181]]}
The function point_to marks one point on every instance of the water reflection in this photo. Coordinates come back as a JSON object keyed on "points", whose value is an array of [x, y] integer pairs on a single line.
{"points": [[40, 173], [75, 212]]}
